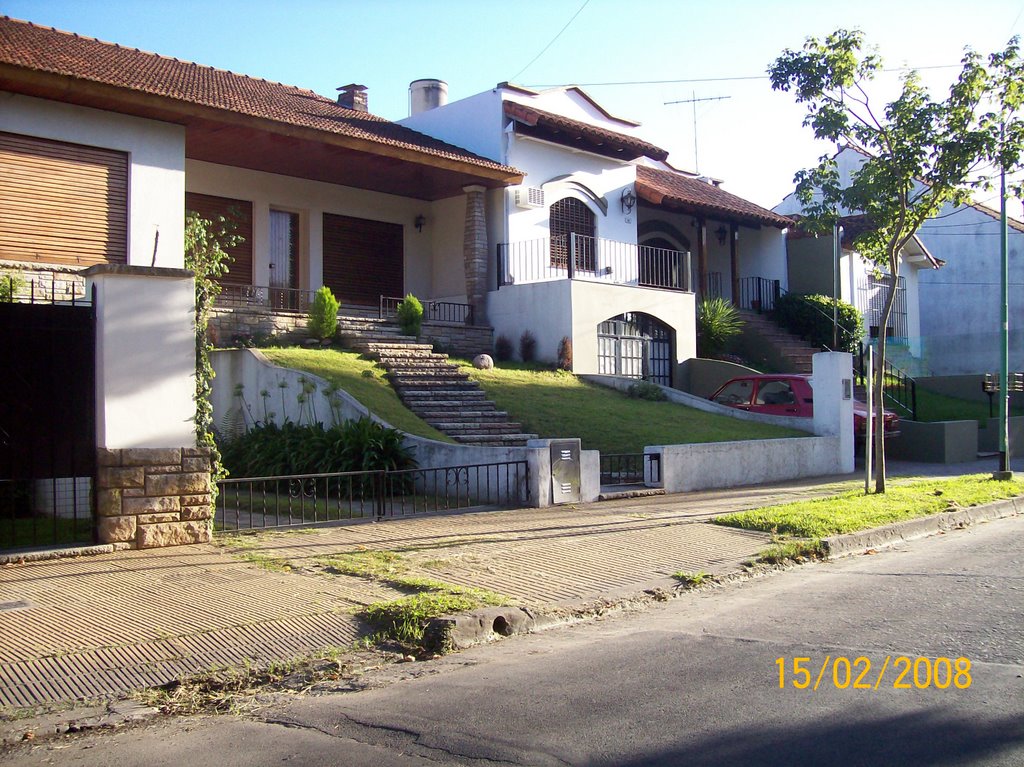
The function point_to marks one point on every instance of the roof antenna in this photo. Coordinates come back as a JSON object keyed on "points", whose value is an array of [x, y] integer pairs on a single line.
{"points": [[694, 100]]}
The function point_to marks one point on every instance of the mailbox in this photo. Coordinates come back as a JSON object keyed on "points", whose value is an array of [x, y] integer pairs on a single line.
{"points": [[565, 471]]}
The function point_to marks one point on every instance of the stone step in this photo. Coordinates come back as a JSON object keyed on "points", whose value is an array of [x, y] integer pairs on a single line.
{"points": [[437, 374], [389, 349], [415, 357], [455, 396], [507, 440], [473, 430], [434, 413], [450, 387]]}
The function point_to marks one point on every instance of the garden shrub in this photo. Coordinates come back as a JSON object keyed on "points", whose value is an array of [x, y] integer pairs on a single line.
{"points": [[502, 349], [565, 353], [410, 315], [810, 317], [323, 314], [647, 390], [527, 346], [717, 322]]}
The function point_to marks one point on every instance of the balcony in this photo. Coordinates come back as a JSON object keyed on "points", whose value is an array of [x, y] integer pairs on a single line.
{"points": [[578, 257]]}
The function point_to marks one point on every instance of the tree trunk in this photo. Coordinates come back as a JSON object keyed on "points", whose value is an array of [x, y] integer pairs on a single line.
{"points": [[879, 382]]}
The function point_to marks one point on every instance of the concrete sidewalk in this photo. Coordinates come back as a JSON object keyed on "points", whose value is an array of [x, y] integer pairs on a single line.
{"points": [[107, 624]]}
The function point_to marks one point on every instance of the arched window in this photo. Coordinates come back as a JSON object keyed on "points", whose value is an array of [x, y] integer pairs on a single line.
{"points": [[569, 217]]}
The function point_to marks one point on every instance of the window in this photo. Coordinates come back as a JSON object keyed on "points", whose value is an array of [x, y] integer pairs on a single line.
{"points": [[736, 393], [775, 393], [569, 217]]}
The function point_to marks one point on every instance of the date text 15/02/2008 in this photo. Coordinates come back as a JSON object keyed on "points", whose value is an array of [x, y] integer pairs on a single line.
{"points": [[900, 672]]}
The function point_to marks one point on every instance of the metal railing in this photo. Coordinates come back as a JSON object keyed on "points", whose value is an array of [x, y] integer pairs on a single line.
{"points": [[594, 259], [712, 285], [261, 296], [303, 500], [898, 388], [61, 288], [759, 293], [630, 468], [437, 311]]}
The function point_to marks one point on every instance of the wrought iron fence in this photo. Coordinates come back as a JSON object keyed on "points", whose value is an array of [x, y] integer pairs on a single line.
{"points": [[759, 293], [898, 388], [580, 257], [712, 287], [303, 500], [60, 288], [437, 311], [259, 296], [630, 468]]}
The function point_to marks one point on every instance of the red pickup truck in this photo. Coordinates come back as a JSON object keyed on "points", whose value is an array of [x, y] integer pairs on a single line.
{"points": [[787, 394]]}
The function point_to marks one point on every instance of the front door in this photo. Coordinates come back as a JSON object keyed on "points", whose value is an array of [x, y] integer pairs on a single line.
{"points": [[284, 259]]}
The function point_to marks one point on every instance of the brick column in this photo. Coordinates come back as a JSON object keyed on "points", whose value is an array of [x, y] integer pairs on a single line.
{"points": [[153, 497], [474, 251]]}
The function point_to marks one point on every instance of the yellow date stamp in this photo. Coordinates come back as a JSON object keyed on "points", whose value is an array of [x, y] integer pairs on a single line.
{"points": [[900, 672]]}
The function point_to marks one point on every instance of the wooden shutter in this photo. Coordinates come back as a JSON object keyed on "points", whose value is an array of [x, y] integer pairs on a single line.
{"points": [[240, 213], [363, 259], [62, 203]]}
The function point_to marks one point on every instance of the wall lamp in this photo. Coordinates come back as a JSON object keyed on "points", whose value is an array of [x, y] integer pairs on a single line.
{"points": [[419, 221], [721, 233], [627, 200]]}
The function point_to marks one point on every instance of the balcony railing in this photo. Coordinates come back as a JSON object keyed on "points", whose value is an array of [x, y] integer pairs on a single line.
{"points": [[594, 259], [276, 299], [437, 311]]}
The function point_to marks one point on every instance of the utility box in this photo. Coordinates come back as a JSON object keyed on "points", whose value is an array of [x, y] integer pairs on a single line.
{"points": [[565, 471]]}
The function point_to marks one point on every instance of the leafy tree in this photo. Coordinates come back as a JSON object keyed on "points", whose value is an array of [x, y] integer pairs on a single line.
{"points": [[922, 153]]}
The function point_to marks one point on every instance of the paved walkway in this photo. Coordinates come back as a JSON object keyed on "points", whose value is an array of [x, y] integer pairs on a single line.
{"points": [[107, 624]]}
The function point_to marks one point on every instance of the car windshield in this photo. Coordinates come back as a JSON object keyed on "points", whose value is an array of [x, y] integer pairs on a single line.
{"points": [[735, 393]]}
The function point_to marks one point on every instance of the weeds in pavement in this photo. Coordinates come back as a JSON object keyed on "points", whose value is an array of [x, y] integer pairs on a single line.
{"points": [[693, 580], [791, 551], [405, 619]]}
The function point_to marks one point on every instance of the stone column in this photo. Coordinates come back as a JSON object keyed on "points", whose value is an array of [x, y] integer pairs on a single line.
{"points": [[474, 251]]}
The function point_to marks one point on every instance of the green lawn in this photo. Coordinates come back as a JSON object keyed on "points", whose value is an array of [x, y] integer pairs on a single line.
{"points": [[932, 406], [553, 403], [853, 511], [361, 378]]}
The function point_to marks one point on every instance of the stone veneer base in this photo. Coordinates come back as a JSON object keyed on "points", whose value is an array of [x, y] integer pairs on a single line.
{"points": [[154, 497]]}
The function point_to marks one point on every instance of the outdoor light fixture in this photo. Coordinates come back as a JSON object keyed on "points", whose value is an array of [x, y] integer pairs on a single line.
{"points": [[721, 234], [628, 200], [419, 221]]}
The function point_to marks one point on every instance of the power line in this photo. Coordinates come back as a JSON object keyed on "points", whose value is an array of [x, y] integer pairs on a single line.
{"points": [[570, 21], [708, 79]]}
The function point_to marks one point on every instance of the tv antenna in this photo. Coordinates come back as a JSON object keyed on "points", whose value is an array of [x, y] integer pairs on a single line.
{"points": [[694, 100]]}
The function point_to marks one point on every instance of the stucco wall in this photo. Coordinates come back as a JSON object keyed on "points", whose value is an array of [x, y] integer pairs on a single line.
{"points": [[473, 123], [156, 171]]}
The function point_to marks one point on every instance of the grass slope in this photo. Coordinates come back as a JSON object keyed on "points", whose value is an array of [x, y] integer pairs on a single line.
{"points": [[360, 378], [553, 403]]}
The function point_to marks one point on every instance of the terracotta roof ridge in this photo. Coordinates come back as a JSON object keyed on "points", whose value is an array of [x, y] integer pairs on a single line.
{"points": [[154, 54]]}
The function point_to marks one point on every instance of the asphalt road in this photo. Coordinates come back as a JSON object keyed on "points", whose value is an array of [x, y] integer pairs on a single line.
{"points": [[690, 682]]}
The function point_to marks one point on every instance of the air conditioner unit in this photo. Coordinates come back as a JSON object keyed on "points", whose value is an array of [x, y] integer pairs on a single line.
{"points": [[529, 197]]}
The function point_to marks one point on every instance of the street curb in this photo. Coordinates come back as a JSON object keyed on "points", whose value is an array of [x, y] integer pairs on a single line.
{"points": [[458, 632], [42, 555], [898, 532]]}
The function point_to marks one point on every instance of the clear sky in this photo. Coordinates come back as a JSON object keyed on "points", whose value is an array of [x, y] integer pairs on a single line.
{"points": [[753, 139]]}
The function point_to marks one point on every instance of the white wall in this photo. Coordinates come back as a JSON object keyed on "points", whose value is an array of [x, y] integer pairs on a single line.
{"points": [[145, 357], [473, 123], [311, 199], [543, 308], [156, 171]]}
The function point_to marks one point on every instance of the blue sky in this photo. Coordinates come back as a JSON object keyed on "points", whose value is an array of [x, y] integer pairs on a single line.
{"points": [[753, 139]]}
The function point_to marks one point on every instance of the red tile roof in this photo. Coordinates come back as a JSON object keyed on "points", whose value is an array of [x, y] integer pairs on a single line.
{"points": [[674, 190], [576, 133], [46, 50]]}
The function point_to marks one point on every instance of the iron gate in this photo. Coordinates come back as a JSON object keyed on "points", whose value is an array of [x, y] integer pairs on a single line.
{"points": [[47, 423], [635, 345]]}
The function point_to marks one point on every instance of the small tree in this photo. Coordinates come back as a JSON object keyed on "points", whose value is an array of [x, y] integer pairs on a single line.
{"points": [[921, 153], [323, 314], [410, 315]]}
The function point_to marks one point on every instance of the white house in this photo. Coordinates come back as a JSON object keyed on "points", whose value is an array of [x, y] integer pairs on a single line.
{"points": [[955, 328], [603, 243]]}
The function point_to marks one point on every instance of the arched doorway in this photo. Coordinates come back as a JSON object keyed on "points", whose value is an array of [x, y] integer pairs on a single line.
{"points": [[635, 345]]}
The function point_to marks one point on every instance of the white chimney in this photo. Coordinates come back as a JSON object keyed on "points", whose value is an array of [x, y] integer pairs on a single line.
{"points": [[425, 95]]}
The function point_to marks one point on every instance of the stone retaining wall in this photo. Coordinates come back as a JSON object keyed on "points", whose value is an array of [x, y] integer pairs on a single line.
{"points": [[456, 338], [49, 282], [154, 497]]}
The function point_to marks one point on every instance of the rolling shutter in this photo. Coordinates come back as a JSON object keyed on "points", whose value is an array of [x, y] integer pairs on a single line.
{"points": [[363, 259], [62, 203], [240, 213]]}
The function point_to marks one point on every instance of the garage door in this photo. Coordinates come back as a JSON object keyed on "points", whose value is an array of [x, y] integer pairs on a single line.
{"points": [[363, 259], [62, 203]]}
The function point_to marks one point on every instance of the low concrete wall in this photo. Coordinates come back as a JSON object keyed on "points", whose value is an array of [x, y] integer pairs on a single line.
{"points": [[702, 378], [732, 464], [236, 409], [938, 442], [988, 437]]}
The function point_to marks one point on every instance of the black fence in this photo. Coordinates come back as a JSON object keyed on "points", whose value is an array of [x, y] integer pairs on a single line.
{"points": [[898, 388], [47, 420], [630, 468], [275, 299], [436, 311], [313, 499], [759, 294]]}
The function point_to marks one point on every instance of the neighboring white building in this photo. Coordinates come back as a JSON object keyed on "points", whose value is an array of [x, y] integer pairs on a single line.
{"points": [[604, 243], [951, 323]]}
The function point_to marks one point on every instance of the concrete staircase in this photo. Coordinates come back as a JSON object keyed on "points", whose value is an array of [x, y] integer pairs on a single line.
{"points": [[433, 388], [796, 352]]}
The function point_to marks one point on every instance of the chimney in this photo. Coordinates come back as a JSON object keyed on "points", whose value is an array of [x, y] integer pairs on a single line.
{"points": [[353, 96], [425, 95]]}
